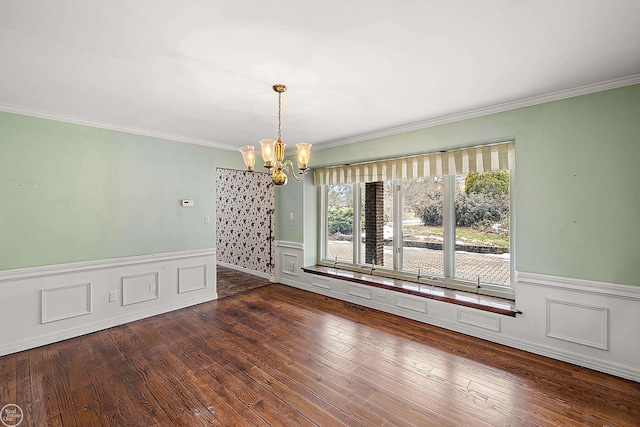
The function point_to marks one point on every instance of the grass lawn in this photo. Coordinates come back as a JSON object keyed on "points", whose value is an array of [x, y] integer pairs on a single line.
{"points": [[461, 232]]}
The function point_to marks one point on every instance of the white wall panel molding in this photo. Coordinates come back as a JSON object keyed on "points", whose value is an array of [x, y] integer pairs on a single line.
{"points": [[579, 285], [26, 342], [192, 278], [50, 270], [65, 301], [578, 323], [290, 264], [408, 302], [140, 288], [321, 282], [479, 319], [290, 245], [360, 291], [609, 346]]}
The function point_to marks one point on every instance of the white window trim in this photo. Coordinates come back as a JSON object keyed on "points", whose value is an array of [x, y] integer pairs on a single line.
{"points": [[449, 280]]}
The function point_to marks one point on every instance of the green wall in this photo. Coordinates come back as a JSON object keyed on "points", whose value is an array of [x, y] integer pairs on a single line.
{"points": [[577, 177], [76, 193]]}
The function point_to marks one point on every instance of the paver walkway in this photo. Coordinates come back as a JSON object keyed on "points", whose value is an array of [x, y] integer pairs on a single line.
{"points": [[491, 268]]}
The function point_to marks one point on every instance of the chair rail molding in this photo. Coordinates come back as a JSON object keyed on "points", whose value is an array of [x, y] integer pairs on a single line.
{"points": [[579, 285]]}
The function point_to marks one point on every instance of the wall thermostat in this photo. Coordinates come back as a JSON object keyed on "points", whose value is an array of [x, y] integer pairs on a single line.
{"points": [[186, 203]]}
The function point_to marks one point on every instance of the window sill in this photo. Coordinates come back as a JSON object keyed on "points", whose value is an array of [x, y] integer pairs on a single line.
{"points": [[467, 299]]}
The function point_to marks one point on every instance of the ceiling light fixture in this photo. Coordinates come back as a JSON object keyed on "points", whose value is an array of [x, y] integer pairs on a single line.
{"points": [[273, 152]]}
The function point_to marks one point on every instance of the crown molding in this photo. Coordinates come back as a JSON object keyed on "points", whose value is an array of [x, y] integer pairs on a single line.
{"points": [[485, 111], [110, 126]]}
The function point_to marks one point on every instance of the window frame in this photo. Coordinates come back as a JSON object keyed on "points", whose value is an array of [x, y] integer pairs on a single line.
{"points": [[448, 280]]}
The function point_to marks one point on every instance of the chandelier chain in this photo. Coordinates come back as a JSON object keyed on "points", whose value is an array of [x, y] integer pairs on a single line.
{"points": [[279, 115]]}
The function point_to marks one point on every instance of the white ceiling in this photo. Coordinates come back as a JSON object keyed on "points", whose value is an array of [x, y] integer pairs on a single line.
{"points": [[202, 71]]}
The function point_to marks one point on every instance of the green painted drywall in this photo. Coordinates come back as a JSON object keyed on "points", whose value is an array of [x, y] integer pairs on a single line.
{"points": [[75, 193], [289, 200], [299, 199], [577, 175]]}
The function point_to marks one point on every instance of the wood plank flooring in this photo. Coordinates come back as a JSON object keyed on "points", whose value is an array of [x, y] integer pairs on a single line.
{"points": [[274, 355], [231, 282]]}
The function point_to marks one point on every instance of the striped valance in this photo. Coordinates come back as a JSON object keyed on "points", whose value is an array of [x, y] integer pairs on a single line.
{"points": [[484, 158]]}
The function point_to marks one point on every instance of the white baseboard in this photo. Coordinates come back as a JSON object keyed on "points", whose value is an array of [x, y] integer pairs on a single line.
{"points": [[65, 301]]}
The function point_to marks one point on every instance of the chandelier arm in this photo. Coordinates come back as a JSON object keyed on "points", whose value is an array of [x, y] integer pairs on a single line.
{"points": [[287, 166]]}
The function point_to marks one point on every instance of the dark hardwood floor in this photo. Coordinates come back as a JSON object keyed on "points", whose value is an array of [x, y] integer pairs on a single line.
{"points": [[275, 355], [231, 282]]}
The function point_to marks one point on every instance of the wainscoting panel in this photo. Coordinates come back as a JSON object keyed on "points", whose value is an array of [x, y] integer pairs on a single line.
{"points": [[411, 303], [360, 291], [66, 302], [321, 282], [479, 319], [140, 288], [290, 264], [587, 323], [578, 323], [192, 278]]}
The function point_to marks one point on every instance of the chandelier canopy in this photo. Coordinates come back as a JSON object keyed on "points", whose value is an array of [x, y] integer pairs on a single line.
{"points": [[273, 152]]}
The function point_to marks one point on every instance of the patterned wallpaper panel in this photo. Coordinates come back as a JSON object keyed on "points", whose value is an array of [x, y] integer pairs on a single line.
{"points": [[245, 205]]}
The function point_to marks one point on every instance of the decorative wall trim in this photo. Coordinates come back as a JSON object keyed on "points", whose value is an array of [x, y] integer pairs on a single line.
{"points": [[493, 109], [502, 337], [411, 303], [66, 118], [50, 270], [578, 323], [32, 342], [580, 285], [320, 282], [360, 291], [481, 320], [290, 264], [485, 111], [140, 288], [290, 245], [192, 278], [65, 302], [529, 332]]}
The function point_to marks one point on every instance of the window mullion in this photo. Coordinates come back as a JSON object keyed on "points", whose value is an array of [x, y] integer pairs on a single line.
{"points": [[449, 226], [397, 226], [324, 231], [356, 190]]}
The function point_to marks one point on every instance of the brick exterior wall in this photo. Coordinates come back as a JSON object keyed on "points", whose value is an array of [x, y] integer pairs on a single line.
{"points": [[374, 223]]}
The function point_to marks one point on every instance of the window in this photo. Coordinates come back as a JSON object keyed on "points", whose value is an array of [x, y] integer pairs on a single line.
{"points": [[339, 222], [449, 230]]}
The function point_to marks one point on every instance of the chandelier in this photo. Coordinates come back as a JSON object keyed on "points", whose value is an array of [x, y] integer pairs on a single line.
{"points": [[273, 152]]}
